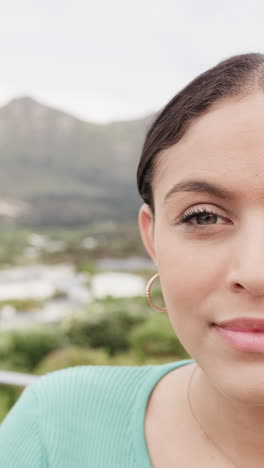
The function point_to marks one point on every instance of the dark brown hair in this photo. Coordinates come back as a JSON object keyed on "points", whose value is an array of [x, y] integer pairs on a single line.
{"points": [[233, 76]]}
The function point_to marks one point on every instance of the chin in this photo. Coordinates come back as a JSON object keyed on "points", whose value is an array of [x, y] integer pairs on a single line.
{"points": [[238, 377], [250, 395]]}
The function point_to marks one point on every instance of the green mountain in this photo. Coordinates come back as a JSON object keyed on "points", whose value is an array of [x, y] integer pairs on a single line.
{"points": [[60, 170]]}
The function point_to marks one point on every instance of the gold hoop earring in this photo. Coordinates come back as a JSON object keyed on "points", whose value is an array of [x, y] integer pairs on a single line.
{"points": [[148, 289]]}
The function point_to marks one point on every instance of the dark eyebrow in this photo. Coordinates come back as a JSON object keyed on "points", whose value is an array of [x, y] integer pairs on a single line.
{"points": [[200, 186]]}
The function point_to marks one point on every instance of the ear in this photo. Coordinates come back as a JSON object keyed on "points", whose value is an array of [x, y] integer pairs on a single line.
{"points": [[146, 226]]}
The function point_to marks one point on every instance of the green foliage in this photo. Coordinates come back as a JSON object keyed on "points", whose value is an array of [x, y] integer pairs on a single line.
{"points": [[127, 358], [8, 396], [112, 240], [87, 267], [70, 357], [156, 337], [12, 243], [23, 349], [108, 332], [104, 324], [131, 358], [23, 304], [59, 295]]}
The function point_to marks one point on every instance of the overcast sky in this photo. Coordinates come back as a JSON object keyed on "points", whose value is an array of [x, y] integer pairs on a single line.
{"points": [[105, 60]]}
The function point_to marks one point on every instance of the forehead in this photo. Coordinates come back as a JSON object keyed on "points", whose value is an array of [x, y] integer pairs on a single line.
{"points": [[225, 144]]}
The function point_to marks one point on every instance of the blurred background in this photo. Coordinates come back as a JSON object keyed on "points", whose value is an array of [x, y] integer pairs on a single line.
{"points": [[80, 83]]}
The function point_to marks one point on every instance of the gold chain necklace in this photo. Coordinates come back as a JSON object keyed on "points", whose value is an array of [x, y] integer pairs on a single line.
{"points": [[201, 428]]}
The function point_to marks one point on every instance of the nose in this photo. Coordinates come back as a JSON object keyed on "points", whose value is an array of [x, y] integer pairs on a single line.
{"points": [[247, 265]]}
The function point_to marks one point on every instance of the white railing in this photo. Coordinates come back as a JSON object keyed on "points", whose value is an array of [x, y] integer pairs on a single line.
{"points": [[16, 378]]}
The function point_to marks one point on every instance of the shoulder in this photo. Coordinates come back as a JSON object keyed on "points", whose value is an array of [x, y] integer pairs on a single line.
{"points": [[93, 377], [65, 413], [89, 400], [93, 387], [88, 389], [76, 392], [89, 379]]}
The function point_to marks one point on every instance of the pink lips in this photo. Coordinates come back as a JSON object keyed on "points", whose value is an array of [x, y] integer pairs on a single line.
{"points": [[244, 334]]}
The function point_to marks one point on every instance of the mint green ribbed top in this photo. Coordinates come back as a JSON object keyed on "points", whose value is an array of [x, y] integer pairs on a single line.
{"points": [[82, 417]]}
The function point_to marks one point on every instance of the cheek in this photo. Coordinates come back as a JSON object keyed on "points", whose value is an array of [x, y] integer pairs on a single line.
{"points": [[191, 277], [188, 271]]}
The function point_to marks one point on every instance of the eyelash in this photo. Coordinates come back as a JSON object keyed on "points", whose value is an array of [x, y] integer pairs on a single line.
{"points": [[192, 213]]}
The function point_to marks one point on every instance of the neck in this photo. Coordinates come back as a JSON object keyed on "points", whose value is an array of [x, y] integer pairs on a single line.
{"points": [[235, 426]]}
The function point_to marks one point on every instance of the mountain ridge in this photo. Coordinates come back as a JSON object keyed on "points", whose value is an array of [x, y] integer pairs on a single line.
{"points": [[65, 170]]}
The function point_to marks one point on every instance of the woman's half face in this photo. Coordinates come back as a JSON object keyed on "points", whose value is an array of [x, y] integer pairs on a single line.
{"points": [[208, 238]]}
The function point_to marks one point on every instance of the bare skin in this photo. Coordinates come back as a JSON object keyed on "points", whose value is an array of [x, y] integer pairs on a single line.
{"points": [[168, 414], [211, 272]]}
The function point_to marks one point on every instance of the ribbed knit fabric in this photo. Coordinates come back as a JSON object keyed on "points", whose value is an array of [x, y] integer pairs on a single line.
{"points": [[82, 417]]}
